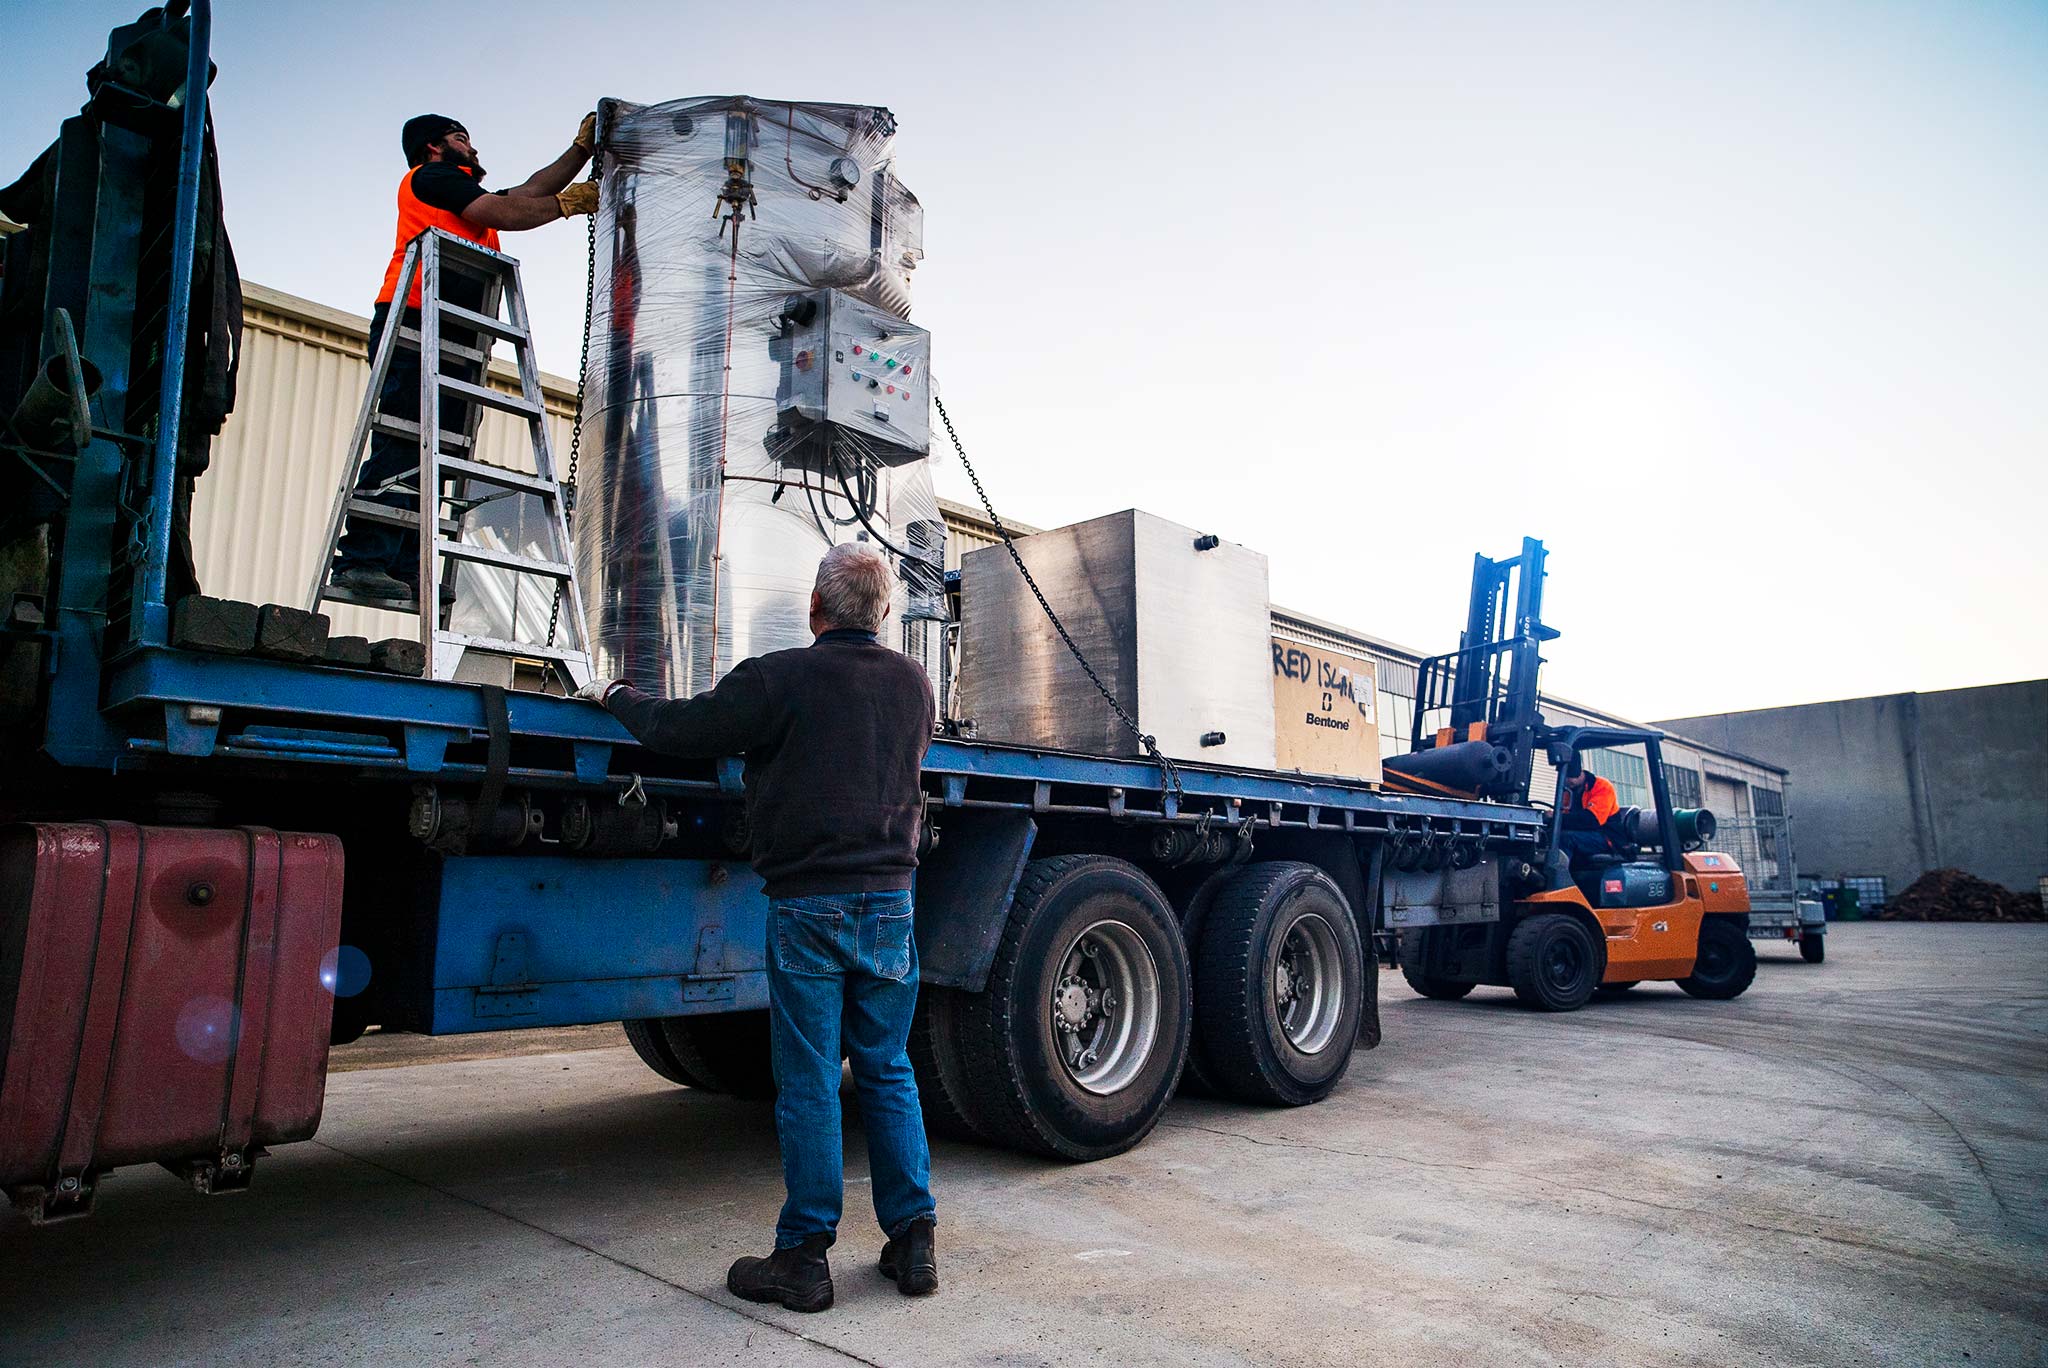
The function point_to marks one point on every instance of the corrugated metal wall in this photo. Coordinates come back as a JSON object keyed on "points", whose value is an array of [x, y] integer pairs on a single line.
{"points": [[261, 510], [968, 528]]}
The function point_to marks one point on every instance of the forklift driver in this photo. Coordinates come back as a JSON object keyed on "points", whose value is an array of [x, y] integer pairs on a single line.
{"points": [[1589, 804]]}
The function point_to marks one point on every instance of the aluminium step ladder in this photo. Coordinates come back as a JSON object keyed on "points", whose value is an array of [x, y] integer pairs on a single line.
{"points": [[458, 482]]}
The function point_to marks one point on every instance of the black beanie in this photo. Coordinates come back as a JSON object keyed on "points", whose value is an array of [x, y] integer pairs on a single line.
{"points": [[422, 129]]}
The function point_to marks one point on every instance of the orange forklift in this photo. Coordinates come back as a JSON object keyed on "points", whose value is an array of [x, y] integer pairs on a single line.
{"points": [[1644, 901]]}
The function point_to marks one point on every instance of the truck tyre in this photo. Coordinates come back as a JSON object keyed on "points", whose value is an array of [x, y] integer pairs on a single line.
{"points": [[647, 1040], [1726, 963], [1074, 1047], [724, 1052], [941, 1070], [1196, 1079], [1812, 948], [1554, 962], [1414, 955], [1280, 983]]}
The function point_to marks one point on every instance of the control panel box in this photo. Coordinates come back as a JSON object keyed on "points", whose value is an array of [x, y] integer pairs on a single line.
{"points": [[854, 381]]}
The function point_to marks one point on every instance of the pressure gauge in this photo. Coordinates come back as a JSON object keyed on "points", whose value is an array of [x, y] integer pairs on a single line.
{"points": [[846, 171]]}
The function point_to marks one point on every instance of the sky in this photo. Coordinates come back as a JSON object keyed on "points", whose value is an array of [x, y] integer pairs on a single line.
{"points": [[1741, 308]]}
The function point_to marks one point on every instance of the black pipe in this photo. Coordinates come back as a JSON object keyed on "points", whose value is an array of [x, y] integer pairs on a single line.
{"points": [[1471, 766]]}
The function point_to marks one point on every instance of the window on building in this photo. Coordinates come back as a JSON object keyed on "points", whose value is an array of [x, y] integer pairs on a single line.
{"points": [[1627, 770], [1397, 713], [1766, 802], [1684, 785]]}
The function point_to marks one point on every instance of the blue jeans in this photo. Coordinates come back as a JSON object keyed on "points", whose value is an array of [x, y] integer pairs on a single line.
{"points": [[842, 974]]}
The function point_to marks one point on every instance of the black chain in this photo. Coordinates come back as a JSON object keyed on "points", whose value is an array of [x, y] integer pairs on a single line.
{"points": [[1167, 769], [568, 489]]}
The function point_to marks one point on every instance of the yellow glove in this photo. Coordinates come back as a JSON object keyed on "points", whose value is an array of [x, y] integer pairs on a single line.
{"points": [[586, 133], [580, 198]]}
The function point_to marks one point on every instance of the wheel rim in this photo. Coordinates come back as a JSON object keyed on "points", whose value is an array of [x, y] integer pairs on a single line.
{"points": [[1307, 986], [1104, 1009], [1564, 961]]}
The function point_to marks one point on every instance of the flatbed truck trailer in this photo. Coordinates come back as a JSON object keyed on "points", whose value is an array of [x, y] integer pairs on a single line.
{"points": [[213, 866], [216, 865]]}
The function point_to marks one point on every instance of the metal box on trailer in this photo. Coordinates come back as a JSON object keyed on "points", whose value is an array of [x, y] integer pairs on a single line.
{"points": [[1177, 624]]}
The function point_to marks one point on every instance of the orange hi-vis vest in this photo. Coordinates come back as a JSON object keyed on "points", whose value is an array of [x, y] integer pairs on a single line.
{"points": [[414, 218], [1597, 798]]}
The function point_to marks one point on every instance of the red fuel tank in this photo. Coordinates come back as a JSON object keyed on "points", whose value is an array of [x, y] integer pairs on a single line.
{"points": [[165, 996]]}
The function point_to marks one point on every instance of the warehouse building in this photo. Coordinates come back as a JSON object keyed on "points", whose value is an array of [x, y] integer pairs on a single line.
{"points": [[1916, 781], [1747, 794], [260, 517]]}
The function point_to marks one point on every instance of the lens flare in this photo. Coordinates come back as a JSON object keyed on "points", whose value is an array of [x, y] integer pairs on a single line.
{"points": [[205, 1029], [345, 971]]}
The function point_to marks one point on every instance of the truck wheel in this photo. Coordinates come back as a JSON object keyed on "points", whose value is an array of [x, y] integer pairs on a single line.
{"points": [[647, 1040], [941, 1070], [1281, 984], [1554, 964], [1196, 1079], [1726, 963], [1813, 949], [1075, 1046], [723, 1052], [1414, 955]]}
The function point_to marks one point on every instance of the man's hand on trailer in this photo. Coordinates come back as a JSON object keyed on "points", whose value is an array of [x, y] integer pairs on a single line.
{"points": [[596, 689]]}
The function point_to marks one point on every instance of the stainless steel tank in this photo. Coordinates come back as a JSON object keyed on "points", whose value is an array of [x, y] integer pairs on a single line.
{"points": [[697, 535]]}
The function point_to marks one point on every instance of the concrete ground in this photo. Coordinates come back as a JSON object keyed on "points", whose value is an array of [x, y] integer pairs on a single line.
{"points": [[1846, 1165]]}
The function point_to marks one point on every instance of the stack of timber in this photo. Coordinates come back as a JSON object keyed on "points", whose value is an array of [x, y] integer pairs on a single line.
{"points": [[277, 632]]}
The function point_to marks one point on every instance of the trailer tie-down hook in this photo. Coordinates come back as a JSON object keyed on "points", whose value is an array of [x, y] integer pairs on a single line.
{"points": [[633, 793]]}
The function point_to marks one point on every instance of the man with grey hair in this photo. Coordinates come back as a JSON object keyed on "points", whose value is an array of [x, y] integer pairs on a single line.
{"points": [[834, 736]]}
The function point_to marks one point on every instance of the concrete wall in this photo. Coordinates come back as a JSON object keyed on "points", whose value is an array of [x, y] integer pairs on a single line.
{"points": [[1904, 783]]}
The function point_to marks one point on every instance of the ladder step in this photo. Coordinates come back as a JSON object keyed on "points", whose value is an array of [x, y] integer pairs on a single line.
{"points": [[406, 428], [504, 560], [499, 475], [480, 256], [396, 517], [448, 348], [490, 398], [330, 594], [532, 650], [497, 327]]}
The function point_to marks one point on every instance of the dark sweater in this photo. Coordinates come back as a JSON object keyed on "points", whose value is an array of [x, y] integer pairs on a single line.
{"points": [[834, 735]]}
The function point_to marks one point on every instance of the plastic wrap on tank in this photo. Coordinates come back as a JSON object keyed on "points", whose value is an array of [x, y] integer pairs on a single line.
{"points": [[698, 531]]}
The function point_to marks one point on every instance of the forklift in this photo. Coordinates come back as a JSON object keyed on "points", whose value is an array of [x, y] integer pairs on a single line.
{"points": [[1654, 905]]}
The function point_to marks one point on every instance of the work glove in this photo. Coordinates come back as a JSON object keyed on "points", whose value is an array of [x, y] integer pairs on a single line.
{"points": [[580, 198], [586, 133], [596, 689]]}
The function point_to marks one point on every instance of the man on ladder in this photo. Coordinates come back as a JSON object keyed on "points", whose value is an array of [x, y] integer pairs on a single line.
{"points": [[442, 189]]}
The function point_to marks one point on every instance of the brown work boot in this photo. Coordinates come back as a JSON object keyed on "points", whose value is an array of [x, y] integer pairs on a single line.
{"points": [[798, 1277], [911, 1260]]}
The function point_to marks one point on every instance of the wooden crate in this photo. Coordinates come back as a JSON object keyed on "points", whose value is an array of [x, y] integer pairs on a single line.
{"points": [[1326, 707]]}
